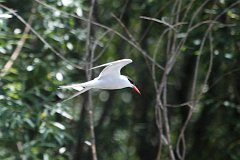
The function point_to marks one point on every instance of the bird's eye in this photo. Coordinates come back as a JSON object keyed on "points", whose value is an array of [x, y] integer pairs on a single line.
{"points": [[130, 80]]}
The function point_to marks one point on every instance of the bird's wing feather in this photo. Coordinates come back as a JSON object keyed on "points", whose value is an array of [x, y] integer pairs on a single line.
{"points": [[111, 63], [102, 65], [113, 68]]}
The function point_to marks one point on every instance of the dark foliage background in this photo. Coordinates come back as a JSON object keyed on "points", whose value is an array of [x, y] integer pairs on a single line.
{"points": [[185, 62]]}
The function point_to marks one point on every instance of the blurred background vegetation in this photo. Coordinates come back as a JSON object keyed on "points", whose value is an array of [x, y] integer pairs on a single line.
{"points": [[185, 62]]}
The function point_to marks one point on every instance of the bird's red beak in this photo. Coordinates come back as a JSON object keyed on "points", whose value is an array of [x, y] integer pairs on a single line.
{"points": [[136, 89]]}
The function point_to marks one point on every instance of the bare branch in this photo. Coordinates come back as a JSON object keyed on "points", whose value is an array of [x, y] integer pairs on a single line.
{"points": [[181, 137], [159, 21], [90, 54]]}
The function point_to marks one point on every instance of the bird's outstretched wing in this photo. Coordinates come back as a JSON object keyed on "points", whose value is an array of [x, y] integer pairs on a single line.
{"points": [[113, 68]]}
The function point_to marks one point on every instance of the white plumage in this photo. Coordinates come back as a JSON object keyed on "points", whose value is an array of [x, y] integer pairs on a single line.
{"points": [[109, 78]]}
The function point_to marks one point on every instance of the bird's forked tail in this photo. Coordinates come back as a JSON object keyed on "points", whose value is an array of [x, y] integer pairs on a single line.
{"points": [[77, 87]]}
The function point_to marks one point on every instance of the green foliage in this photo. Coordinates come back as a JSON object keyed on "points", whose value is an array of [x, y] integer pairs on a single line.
{"points": [[35, 124]]}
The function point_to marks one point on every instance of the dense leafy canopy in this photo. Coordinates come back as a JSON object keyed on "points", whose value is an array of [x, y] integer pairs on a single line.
{"points": [[185, 62]]}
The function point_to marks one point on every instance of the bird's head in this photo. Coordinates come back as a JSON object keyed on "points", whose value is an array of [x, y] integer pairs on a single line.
{"points": [[132, 85]]}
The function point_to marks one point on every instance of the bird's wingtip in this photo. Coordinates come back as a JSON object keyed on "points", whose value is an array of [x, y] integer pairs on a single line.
{"points": [[130, 60], [111, 63], [126, 59]]}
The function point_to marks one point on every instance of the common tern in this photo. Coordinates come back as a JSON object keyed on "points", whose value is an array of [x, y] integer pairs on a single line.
{"points": [[110, 78]]}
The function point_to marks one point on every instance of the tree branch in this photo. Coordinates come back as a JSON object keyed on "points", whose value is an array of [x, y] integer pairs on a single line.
{"points": [[20, 45], [90, 56]]}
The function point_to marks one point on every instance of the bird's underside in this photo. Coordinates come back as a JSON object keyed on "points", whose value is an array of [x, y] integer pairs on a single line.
{"points": [[110, 78]]}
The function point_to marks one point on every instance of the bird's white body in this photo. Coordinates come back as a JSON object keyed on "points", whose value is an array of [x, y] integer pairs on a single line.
{"points": [[111, 82], [109, 78]]}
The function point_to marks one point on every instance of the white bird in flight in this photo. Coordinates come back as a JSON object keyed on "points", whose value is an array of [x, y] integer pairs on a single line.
{"points": [[109, 78]]}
